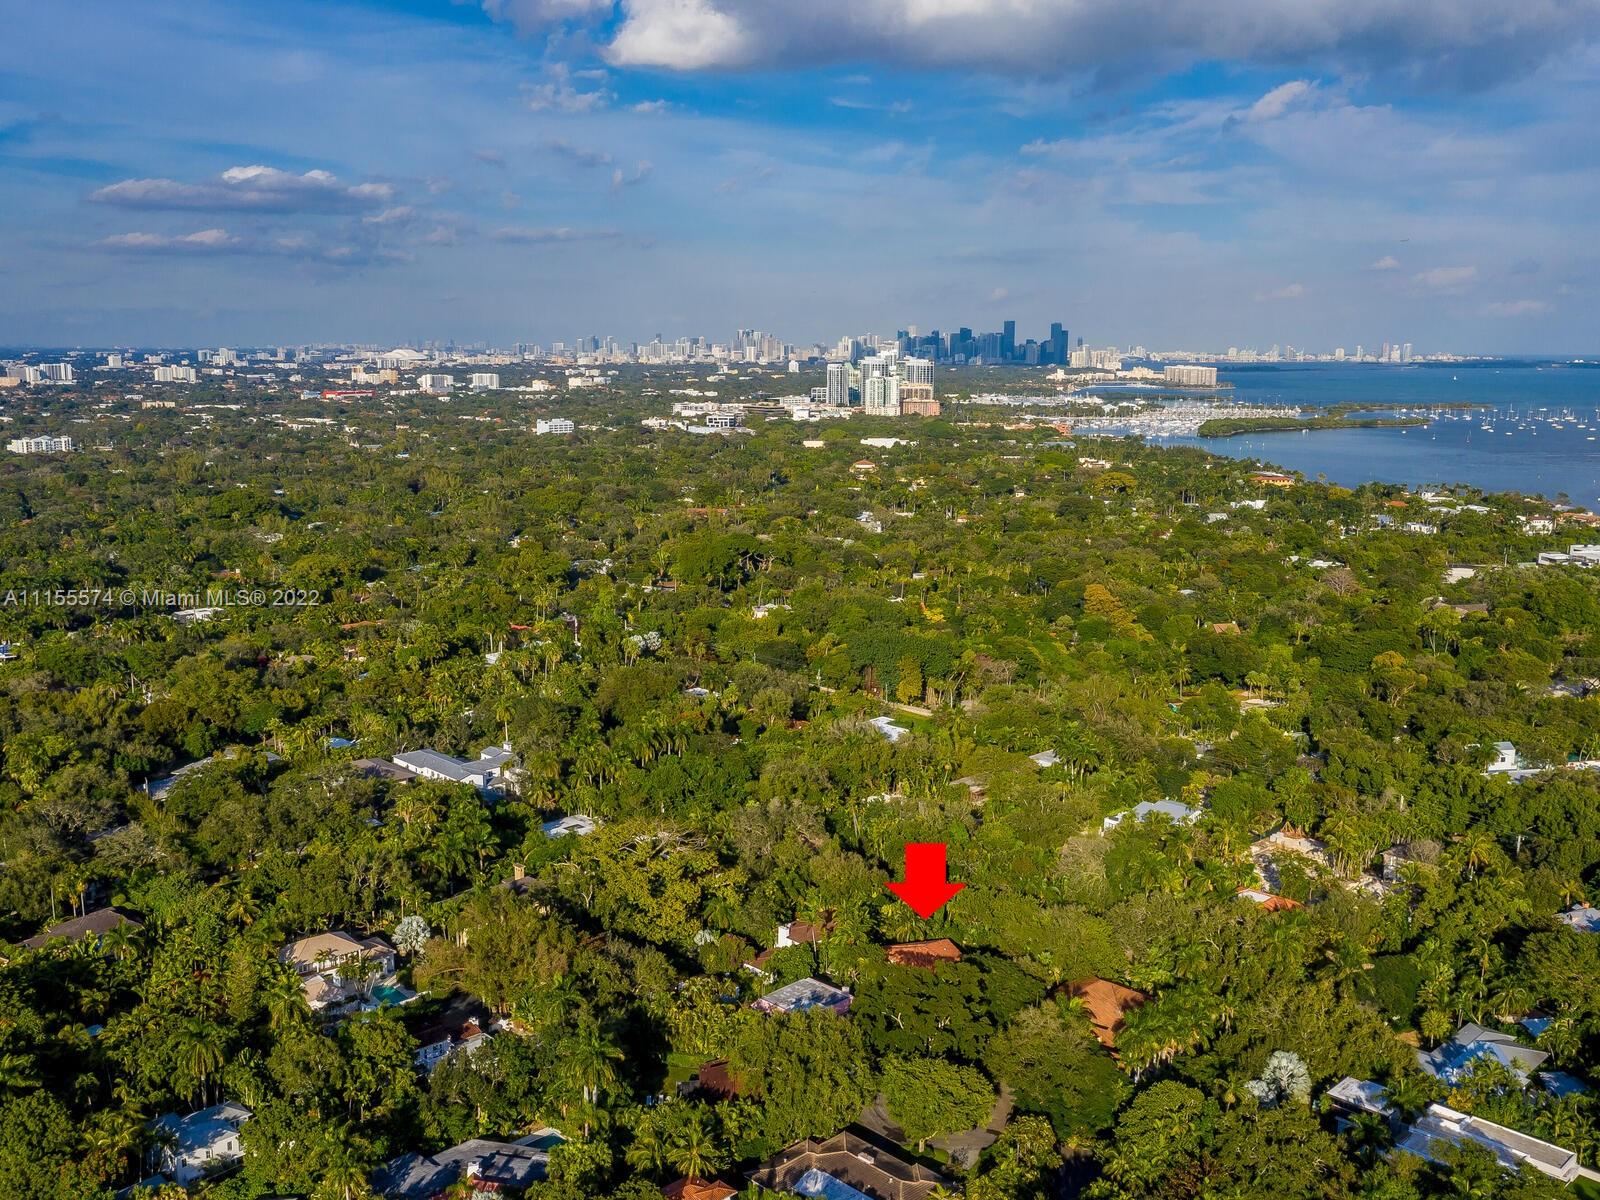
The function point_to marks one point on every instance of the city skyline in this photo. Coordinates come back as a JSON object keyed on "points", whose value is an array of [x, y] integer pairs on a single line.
{"points": [[395, 172]]}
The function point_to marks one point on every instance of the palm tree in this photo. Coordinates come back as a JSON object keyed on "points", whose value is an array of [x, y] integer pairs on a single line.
{"points": [[588, 1064], [200, 1052], [649, 1150], [285, 999], [17, 1074], [691, 1151]]}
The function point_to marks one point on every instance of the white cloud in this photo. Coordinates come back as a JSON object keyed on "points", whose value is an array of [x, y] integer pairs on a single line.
{"points": [[560, 91], [203, 241], [1445, 279], [1280, 100], [1515, 308], [682, 35], [537, 236], [647, 107], [1387, 263], [399, 214], [1289, 291], [252, 188], [621, 179]]}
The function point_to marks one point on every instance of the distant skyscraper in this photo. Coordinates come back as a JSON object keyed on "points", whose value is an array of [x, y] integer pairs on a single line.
{"points": [[1008, 340], [838, 389], [1058, 343]]}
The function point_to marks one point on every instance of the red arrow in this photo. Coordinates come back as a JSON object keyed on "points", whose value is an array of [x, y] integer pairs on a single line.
{"points": [[927, 888]]}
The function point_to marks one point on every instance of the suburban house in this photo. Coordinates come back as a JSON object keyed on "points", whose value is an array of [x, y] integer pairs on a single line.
{"points": [[91, 927], [333, 966], [927, 955], [200, 1144], [887, 727], [489, 1166], [487, 772], [1509, 763], [576, 824], [1420, 853], [846, 1167], [377, 768], [1584, 918], [804, 994], [699, 1189], [1108, 1005], [1273, 478], [157, 789], [1450, 1060], [1171, 810], [439, 1041], [795, 933], [712, 1081], [1439, 1127], [1269, 901]]}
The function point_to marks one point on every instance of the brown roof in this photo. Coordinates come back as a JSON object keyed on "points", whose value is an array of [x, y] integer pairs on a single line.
{"points": [[872, 1169], [377, 768], [94, 925], [805, 933], [924, 954], [1108, 1004], [699, 1189], [714, 1080]]}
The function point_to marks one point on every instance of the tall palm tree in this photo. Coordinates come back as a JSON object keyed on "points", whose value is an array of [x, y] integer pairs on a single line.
{"points": [[691, 1150], [200, 1052], [17, 1074], [285, 999], [649, 1151], [589, 1064]]}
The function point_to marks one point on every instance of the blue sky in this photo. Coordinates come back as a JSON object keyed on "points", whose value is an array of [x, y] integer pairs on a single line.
{"points": [[1182, 173]]}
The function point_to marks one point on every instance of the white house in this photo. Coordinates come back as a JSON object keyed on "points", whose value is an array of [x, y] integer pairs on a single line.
{"points": [[1171, 810], [577, 824], [485, 773], [200, 1144]]}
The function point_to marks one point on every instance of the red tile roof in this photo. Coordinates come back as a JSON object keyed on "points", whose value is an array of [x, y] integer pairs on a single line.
{"points": [[699, 1189], [924, 954], [1108, 1004]]}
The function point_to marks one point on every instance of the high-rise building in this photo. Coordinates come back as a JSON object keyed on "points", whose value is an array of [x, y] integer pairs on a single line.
{"points": [[1008, 340], [880, 395], [484, 379], [58, 372], [436, 384], [1058, 344], [41, 445], [1189, 376], [838, 385]]}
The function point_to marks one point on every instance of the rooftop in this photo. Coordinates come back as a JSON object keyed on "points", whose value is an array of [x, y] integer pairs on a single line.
{"points": [[804, 994], [94, 925], [1108, 1005], [845, 1167], [423, 1176], [927, 954]]}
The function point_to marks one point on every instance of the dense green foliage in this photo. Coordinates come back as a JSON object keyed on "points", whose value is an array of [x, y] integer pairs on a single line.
{"points": [[1014, 602]]}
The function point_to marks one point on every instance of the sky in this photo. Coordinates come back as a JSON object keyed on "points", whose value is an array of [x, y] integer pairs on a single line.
{"points": [[1174, 173]]}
